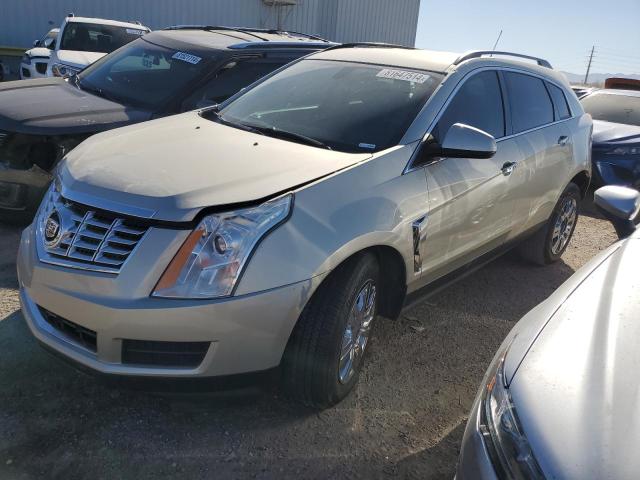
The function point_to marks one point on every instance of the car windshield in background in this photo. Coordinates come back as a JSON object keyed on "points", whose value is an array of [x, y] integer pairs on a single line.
{"points": [[613, 107], [344, 106], [141, 74], [93, 37]]}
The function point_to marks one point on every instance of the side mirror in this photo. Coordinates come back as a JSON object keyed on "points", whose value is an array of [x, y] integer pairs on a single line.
{"points": [[36, 43], [619, 205], [464, 141]]}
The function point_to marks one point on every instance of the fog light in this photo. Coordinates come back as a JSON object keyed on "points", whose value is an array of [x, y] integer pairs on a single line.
{"points": [[12, 195]]}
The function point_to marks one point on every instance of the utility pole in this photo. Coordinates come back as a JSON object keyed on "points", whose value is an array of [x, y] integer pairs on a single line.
{"points": [[586, 75]]}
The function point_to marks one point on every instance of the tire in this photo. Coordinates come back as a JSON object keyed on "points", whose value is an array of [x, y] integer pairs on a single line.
{"points": [[311, 365], [543, 248]]}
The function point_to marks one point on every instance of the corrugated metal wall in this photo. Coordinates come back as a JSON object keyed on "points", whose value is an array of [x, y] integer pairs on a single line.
{"points": [[393, 21]]}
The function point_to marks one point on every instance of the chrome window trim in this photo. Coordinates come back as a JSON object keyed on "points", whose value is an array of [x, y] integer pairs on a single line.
{"points": [[410, 166]]}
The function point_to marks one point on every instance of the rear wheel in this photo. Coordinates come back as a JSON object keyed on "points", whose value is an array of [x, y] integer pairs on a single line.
{"points": [[326, 350], [550, 242]]}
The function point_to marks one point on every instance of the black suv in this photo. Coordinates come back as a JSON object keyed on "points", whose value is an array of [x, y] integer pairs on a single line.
{"points": [[163, 73]]}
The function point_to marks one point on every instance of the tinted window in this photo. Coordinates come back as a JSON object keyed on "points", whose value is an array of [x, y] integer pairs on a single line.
{"points": [[478, 103], [350, 107], [560, 101], [142, 74], [230, 79], [530, 103], [612, 107], [92, 37]]}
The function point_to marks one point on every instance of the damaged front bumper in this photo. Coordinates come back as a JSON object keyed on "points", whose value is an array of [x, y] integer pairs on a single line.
{"points": [[21, 191]]}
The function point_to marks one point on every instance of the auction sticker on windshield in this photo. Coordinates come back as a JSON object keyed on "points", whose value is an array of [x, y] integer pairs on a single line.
{"points": [[405, 75], [186, 57], [133, 31]]}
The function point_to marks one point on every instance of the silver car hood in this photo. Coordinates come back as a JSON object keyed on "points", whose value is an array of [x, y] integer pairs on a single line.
{"points": [[169, 169], [577, 390]]}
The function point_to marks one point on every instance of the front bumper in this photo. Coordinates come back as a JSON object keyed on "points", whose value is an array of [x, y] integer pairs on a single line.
{"points": [[244, 334], [21, 191], [474, 461], [36, 69]]}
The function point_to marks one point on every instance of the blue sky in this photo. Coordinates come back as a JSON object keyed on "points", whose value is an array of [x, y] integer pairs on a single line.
{"points": [[562, 31]]}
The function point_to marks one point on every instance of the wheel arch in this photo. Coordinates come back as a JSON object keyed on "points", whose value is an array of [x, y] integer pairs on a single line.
{"points": [[582, 180]]}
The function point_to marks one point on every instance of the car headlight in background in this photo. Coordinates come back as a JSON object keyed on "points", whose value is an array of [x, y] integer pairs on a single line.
{"points": [[499, 417], [62, 70], [26, 59], [624, 150], [211, 259]]}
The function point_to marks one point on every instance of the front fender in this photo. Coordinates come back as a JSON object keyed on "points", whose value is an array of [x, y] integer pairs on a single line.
{"points": [[370, 204]]}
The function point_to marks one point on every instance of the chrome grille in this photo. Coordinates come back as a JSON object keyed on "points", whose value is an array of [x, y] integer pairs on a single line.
{"points": [[86, 238], [3, 137]]}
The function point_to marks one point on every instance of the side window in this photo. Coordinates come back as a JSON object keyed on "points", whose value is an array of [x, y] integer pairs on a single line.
{"points": [[477, 103], [230, 79], [530, 102], [560, 101]]}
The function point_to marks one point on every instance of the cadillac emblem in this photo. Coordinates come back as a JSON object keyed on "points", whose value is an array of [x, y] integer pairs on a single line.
{"points": [[52, 228]]}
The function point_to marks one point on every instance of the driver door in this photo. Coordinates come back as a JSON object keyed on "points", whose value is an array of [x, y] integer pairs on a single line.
{"points": [[468, 214]]}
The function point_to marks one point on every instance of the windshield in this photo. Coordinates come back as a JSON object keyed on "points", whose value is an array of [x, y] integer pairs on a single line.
{"points": [[613, 108], [142, 74], [344, 106], [93, 37]]}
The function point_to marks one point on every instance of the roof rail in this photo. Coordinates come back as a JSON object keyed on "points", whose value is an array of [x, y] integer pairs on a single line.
{"points": [[370, 44], [249, 31], [274, 45], [479, 53], [246, 31]]}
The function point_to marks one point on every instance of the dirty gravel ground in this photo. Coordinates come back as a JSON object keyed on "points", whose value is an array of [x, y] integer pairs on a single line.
{"points": [[405, 420]]}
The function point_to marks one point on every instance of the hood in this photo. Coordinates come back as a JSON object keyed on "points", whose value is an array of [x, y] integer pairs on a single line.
{"points": [[39, 52], [52, 106], [608, 132], [78, 59], [577, 390], [169, 169]]}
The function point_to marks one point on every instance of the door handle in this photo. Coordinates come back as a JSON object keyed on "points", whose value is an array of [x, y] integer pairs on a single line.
{"points": [[508, 168], [563, 140]]}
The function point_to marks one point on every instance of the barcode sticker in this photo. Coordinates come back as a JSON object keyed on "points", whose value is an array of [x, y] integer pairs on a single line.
{"points": [[405, 75], [186, 57]]}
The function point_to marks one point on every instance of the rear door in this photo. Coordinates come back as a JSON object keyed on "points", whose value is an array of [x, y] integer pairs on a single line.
{"points": [[545, 145], [468, 211]]}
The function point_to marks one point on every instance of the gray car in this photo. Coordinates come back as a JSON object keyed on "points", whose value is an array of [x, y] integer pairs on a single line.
{"points": [[560, 398], [273, 230]]}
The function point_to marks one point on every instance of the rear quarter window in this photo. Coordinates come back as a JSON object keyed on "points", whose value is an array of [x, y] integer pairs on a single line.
{"points": [[560, 101], [530, 102]]}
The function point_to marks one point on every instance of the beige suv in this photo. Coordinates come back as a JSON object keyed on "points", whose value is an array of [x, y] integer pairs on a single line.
{"points": [[273, 229]]}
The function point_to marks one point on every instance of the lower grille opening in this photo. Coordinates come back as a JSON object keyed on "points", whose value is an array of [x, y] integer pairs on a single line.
{"points": [[163, 354], [76, 333]]}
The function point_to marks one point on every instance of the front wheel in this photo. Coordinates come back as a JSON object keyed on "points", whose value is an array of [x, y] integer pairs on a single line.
{"points": [[550, 242], [326, 350]]}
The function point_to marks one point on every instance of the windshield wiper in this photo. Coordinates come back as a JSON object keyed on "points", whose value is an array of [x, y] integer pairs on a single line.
{"points": [[247, 128], [284, 134]]}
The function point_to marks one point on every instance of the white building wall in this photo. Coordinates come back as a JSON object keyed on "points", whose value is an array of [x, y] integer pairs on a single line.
{"points": [[391, 21]]}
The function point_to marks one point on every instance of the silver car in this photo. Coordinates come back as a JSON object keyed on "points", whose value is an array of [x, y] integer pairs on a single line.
{"points": [[273, 229], [561, 396]]}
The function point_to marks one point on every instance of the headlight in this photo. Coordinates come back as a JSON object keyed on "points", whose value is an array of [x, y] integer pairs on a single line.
{"points": [[26, 59], [624, 150], [499, 417], [211, 259], [62, 70]]}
